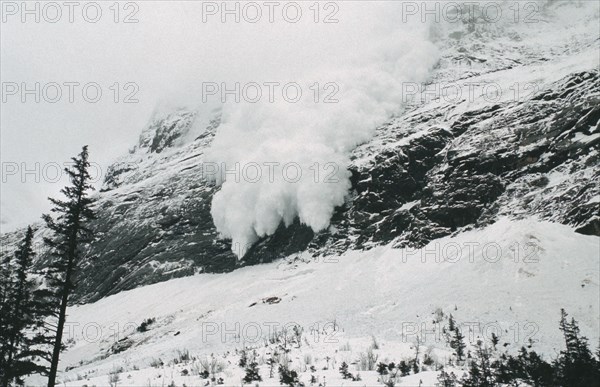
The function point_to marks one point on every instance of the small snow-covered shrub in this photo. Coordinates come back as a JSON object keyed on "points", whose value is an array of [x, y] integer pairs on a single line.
{"points": [[367, 361], [374, 343], [346, 347], [114, 377], [212, 366], [145, 324], [182, 357], [307, 359], [252, 373], [288, 377]]}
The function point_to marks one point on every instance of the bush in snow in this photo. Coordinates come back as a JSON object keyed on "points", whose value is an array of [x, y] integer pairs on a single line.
{"points": [[374, 343], [447, 380], [346, 374], [367, 361], [182, 357], [271, 361], [145, 324], [212, 366], [389, 374], [114, 377], [344, 371], [288, 377], [252, 373], [345, 347], [243, 358], [404, 367], [307, 359], [297, 335], [382, 369]]}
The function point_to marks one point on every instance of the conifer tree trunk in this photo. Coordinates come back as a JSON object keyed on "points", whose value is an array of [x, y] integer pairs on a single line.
{"points": [[70, 232], [62, 315]]}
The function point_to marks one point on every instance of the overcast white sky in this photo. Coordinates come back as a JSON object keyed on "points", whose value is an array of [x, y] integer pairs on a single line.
{"points": [[169, 52]]}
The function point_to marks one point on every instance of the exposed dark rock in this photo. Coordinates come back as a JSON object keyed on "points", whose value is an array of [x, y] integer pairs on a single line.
{"points": [[431, 171]]}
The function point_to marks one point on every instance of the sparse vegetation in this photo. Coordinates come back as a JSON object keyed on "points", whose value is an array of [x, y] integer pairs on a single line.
{"points": [[575, 365], [287, 376], [252, 373], [367, 360], [212, 366], [145, 324], [346, 347], [182, 357], [347, 375], [404, 368], [156, 363], [374, 343], [271, 361], [482, 365], [388, 374], [447, 379], [114, 376]]}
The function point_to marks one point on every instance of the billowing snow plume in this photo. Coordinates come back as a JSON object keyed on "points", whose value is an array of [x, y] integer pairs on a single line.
{"points": [[286, 160]]}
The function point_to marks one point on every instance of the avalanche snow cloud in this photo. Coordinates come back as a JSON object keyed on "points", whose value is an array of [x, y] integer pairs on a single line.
{"points": [[280, 160]]}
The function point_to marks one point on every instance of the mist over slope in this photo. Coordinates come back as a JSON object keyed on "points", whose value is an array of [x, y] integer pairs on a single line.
{"points": [[313, 137]]}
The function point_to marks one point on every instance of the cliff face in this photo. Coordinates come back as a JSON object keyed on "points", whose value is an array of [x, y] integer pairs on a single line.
{"points": [[528, 147]]}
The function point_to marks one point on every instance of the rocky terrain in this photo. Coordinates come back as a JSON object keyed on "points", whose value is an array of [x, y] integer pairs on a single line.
{"points": [[443, 165]]}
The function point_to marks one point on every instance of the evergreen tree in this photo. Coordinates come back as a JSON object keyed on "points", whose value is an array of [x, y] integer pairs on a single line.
{"points": [[252, 373], [480, 369], [243, 358], [404, 367], [382, 369], [6, 284], [344, 371], [6, 287], [288, 377], [15, 302], [527, 367], [23, 335], [495, 340], [458, 344], [70, 231], [447, 379], [451, 323], [576, 365]]}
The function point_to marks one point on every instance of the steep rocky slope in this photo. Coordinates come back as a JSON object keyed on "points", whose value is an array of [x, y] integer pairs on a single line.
{"points": [[442, 165]]}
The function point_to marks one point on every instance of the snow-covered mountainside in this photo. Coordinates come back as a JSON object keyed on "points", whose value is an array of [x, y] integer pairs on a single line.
{"points": [[456, 156], [510, 279], [479, 198]]}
